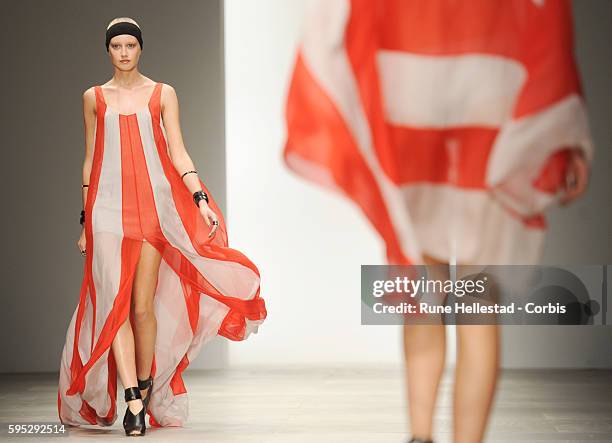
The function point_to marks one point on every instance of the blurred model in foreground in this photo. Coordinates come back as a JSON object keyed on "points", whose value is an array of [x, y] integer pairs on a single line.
{"points": [[453, 126]]}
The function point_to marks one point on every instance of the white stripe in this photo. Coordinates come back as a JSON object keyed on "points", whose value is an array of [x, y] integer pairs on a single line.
{"points": [[70, 405], [107, 224], [472, 221], [325, 56], [107, 209], [107, 231], [523, 146], [446, 91]]}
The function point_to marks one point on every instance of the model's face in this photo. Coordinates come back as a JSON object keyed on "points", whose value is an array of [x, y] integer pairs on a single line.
{"points": [[124, 52]]}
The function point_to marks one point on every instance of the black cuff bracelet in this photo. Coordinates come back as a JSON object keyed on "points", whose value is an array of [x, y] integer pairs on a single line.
{"points": [[199, 195], [82, 220]]}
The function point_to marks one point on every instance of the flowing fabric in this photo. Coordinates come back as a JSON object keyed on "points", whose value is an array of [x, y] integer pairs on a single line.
{"points": [[448, 123], [204, 287]]}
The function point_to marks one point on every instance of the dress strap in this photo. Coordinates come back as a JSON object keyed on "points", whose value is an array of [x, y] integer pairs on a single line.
{"points": [[155, 102], [100, 102], [157, 91], [99, 96]]}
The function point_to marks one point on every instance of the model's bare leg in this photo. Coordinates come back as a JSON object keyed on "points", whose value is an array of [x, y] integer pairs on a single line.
{"points": [[145, 323], [475, 380], [123, 351], [424, 351], [123, 346]]}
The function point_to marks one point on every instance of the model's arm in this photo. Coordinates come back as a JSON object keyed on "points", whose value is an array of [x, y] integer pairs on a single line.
{"points": [[176, 148], [178, 154], [89, 120]]}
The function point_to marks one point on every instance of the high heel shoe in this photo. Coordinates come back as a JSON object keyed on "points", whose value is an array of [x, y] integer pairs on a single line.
{"points": [[419, 440], [146, 384], [134, 424]]}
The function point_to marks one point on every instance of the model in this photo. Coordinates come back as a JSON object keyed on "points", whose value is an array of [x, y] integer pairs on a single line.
{"points": [[159, 278], [453, 126]]}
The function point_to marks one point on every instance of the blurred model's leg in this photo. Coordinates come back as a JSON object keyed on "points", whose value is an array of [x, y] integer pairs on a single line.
{"points": [[145, 323], [475, 380], [424, 348]]}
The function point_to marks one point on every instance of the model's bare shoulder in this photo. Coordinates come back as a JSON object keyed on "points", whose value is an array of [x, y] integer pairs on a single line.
{"points": [[166, 87], [168, 90], [168, 96], [89, 99]]}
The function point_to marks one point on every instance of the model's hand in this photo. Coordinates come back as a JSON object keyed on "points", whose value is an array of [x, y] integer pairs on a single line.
{"points": [[81, 243], [577, 177], [209, 217]]}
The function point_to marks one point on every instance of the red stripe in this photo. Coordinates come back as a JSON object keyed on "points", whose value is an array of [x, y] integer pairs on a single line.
{"points": [[59, 405], [111, 387], [548, 55], [192, 301], [551, 178], [317, 132], [361, 51], [131, 221], [418, 155], [233, 326], [435, 27], [176, 383]]}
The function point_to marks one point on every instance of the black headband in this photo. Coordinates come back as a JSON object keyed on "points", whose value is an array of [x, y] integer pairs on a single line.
{"points": [[123, 28]]}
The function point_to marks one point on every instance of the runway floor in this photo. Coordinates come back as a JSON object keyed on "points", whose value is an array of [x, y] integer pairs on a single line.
{"points": [[339, 405]]}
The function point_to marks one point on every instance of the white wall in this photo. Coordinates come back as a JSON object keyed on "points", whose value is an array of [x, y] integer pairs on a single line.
{"points": [[307, 243]]}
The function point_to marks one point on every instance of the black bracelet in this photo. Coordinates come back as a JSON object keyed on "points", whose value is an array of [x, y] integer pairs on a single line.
{"points": [[188, 173], [199, 195], [85, 186], [82, 220]]}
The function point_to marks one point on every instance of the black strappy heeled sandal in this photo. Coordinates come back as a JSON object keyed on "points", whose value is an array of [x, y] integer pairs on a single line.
{"points": [[134, 424], [146, 384], [418, 440]]}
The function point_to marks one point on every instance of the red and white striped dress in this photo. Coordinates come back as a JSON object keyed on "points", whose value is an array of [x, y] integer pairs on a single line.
{"points": [[204, 288], [447, 123]]}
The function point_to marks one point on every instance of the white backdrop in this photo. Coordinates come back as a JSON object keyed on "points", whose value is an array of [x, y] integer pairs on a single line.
{"points": [[308, 244]]}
